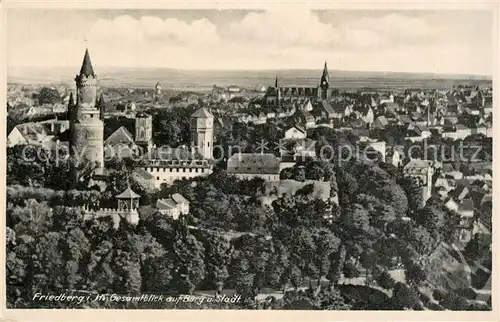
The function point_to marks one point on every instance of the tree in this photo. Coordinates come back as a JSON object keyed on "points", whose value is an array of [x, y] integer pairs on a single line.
{"points": [[326, 245], [368, 259], [187, 256], [48, 96], [385, 280], [403, 297], [350, 270], [243, 278], [431, 218], [414, 273], [217, 258]]}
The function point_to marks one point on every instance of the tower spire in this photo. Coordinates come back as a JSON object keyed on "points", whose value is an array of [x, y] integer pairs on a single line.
{"points": [[276, 82], [87, 68], [325, 75]]}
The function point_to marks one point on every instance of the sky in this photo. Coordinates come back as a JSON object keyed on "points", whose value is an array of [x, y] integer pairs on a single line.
{"points": [[442, 42]]}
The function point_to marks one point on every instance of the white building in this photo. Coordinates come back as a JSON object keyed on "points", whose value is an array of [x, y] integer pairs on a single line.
{"points": [[249, 166], [173, 206], [295, 132]]}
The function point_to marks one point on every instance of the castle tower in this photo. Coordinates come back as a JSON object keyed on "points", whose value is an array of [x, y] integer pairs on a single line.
{"points": [[202, 132], [86, 125], [144, 130]]}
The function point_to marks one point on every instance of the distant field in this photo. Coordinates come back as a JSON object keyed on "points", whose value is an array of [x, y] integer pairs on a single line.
{"points": [[204, 80]]}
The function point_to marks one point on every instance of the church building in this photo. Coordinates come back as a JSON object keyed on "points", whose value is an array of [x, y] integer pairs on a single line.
{"points": [[277, 93]]}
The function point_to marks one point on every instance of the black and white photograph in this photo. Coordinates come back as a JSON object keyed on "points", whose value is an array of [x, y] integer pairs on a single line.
{"points": [[281, 158]]}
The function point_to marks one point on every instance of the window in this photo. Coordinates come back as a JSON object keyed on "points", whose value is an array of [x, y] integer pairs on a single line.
{"points": [[170, 169], [208, 143], [157, 178], [196, 170], [190, 170], [183, 169]]}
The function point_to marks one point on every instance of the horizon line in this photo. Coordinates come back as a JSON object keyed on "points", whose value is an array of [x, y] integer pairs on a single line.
{"points": [[488, 76]]}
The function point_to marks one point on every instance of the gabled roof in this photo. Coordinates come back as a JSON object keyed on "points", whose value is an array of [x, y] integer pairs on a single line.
{"points": [[298, 127], [327, 107], [404, 119], [178, 198], [447, 167], [418, 163], [120, 136], [31, 131], [466, 205], [128, 194], [358, 123], [383, 120], [166, 204]]}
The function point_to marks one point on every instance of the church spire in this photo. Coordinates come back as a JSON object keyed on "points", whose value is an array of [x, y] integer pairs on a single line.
{"points": [[276, 82], [325, 78], [87, 68]]}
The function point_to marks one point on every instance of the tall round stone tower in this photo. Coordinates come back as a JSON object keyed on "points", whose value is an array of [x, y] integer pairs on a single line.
{"points": [[86, 125]]}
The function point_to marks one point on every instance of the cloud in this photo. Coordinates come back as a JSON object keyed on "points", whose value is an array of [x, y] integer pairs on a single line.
{"points": [[286, 37], [151, 30]]}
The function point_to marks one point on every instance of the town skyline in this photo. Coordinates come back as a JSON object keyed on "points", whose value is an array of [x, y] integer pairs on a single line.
{"points": [[434, 42]]}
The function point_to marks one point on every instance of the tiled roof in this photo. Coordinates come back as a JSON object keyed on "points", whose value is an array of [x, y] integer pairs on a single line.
{"points": [[178, 198], [128, 194], [120, 136], [165, 204], [202, 113], [466, 205], [328, 108], [247, 163], [418, 163]]}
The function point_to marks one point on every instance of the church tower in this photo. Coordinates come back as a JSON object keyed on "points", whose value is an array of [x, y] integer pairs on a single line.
{"points": [[144, 130], [202, 132], [157, 94], [86, 124], [324, 86], [278, 92]]}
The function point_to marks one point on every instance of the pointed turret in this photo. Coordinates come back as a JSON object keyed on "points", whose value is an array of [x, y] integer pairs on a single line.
{"points": [[87, 68], [276, 82], [325, 78], [71, 106], [100, 106]]}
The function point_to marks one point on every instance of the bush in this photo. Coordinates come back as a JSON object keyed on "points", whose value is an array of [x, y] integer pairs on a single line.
{"points": [[453, 301], [424, 298], [438, 294], [468, 293], [404, 297], [48, 96], [385, 280], [350, 270]]}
